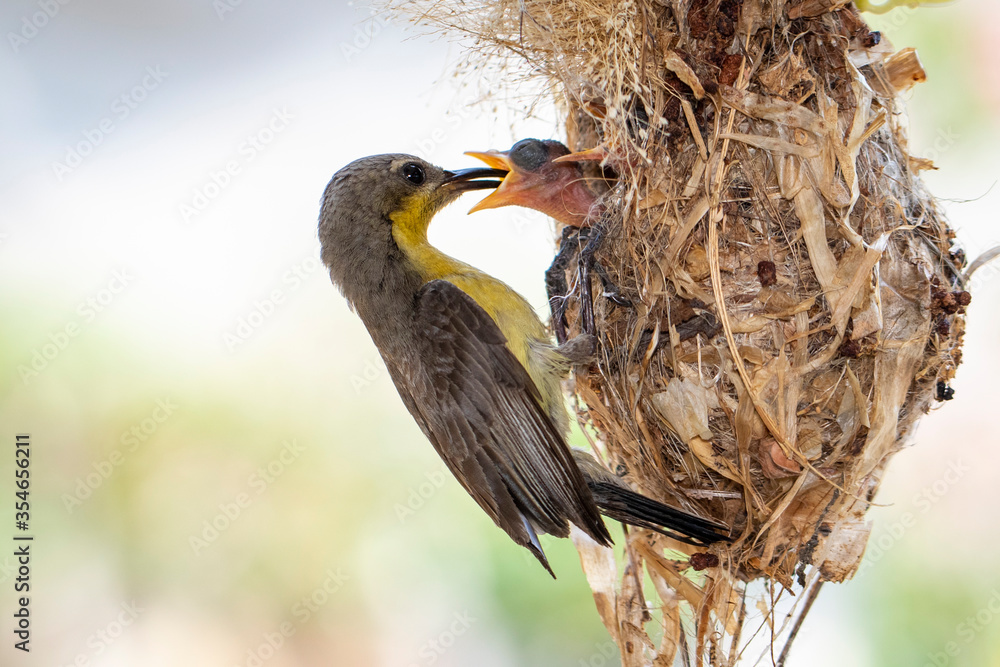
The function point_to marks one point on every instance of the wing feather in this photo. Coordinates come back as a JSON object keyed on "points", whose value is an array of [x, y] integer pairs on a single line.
{"points": [[484, 416]]}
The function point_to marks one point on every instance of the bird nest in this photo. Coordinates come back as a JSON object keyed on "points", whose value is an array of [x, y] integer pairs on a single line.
{"points": [[797, 303]]}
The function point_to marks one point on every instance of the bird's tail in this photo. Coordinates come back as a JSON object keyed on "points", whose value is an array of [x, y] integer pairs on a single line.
{"points": [[633, 508]]}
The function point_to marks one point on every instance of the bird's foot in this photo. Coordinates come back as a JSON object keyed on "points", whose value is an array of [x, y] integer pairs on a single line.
{"points": [[611, 291], [586, 263], [556, 286], [582, 243]]}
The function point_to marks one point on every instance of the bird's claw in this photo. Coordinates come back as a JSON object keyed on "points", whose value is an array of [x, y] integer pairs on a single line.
{"points": [[590, 238]]}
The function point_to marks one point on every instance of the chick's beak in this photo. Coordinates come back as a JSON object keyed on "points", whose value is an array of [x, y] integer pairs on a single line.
{"points": [[598, 154], [513, 189], [495, 159]]}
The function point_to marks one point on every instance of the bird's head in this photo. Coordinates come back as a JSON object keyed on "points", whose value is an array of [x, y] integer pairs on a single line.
{"points": [[373, 202], [383, 187], [544, 176]]}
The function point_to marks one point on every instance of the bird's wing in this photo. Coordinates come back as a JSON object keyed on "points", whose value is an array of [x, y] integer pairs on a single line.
{"points": [[483, 414]]}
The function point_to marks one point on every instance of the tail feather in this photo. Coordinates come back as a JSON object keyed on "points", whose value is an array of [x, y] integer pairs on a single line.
{"points": [[629, 507]]}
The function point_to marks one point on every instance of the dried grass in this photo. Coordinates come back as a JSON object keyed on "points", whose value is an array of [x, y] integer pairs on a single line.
{"points": [[798, 301]]}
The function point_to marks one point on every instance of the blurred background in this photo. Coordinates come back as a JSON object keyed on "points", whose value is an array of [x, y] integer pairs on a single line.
{"points": [[223, 473]]}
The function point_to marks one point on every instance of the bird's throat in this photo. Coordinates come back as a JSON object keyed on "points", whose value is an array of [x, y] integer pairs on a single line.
{"points": [[409, 231]]}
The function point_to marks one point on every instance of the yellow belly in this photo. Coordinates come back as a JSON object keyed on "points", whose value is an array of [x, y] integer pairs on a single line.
{"points": [[526, 336], [514, 315]]}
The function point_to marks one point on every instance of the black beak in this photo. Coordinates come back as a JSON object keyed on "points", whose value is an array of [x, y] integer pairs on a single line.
{"points": [[464, 180]]}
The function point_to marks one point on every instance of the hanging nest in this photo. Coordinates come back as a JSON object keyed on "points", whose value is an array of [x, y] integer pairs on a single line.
{"points": [[797, 302]]}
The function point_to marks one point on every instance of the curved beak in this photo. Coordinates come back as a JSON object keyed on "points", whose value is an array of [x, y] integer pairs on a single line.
{"points": [[463, 180], [510, 190]]}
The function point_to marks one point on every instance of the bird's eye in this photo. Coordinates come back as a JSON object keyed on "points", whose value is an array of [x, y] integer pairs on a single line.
{"points": [[413, 172]]}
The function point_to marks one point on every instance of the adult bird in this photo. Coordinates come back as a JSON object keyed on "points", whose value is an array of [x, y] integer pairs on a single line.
{"points": [[469, 357]]}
